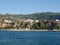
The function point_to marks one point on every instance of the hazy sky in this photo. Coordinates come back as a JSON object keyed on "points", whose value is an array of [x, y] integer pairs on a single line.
{"points": [[29, 6]]}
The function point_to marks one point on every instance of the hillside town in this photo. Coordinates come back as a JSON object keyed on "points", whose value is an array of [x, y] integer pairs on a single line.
{"points": [[29, 24]]}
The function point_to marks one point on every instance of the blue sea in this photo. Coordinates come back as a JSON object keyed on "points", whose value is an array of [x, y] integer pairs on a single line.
{"points": [[29, 38]]}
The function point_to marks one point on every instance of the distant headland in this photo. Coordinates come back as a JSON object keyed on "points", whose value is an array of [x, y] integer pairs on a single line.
{"points": [[44, 20]]}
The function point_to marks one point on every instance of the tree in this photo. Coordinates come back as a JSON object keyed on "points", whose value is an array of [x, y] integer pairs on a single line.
{"points": [[36, 25]]}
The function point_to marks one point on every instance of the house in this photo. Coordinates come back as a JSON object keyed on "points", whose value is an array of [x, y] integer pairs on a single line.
{"points": [[58, 23], [5, 23]]}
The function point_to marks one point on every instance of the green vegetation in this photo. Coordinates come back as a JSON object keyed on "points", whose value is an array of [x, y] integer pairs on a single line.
{"points": [[9, 27], [36, 25], [35, 16]]}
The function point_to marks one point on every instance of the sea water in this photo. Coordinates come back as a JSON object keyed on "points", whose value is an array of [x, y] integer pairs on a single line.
{"points": [[29, 38]]}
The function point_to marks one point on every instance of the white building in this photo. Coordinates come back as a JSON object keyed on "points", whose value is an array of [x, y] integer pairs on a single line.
{"points": [[37, 21], [57, 19], [30, 20], [7, 21]]}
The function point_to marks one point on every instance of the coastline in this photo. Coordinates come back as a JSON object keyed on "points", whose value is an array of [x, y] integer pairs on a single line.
{"points": [[29, 30]]}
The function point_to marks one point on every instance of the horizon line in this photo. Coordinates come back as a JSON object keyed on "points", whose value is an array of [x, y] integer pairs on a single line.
{"points": [[31, 13]]}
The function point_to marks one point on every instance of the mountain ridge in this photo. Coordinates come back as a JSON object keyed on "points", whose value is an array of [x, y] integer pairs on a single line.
{"points": [[34, 16]]}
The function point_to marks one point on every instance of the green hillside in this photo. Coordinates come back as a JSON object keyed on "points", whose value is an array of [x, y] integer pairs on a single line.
{"points": [[38, 16]]}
